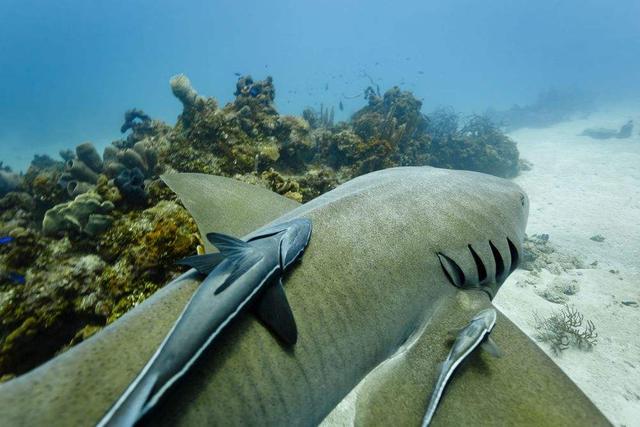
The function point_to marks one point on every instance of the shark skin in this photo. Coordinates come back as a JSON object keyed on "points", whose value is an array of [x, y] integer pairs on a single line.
{"points": [[372, 293]]}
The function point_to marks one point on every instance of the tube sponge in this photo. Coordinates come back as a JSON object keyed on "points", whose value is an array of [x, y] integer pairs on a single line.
{"points": [[88, 154], [182, 89]]}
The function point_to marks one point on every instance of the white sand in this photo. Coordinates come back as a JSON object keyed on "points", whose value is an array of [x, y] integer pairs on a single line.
{"points": [[580, 187]]}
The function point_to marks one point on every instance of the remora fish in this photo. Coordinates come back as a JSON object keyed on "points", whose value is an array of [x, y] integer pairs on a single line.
{"points": [[235, 276], [476, 333], [372, 304]]}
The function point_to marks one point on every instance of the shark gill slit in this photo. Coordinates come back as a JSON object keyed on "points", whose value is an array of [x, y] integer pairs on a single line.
{"points": [[454, 273], [482, 270], [515, 256], [498, 259]]}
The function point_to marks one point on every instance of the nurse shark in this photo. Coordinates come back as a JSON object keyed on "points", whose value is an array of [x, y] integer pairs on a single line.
{"points": [[397, 258]]}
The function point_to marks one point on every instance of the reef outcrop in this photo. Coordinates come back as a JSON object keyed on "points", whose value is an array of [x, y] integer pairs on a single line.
{"points": [[87, 237]]}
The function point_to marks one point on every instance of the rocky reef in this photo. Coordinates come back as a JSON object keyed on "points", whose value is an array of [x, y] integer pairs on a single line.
{"points": [[87, 237]]}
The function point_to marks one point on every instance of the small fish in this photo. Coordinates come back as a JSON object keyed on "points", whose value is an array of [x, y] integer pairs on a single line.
{"points": [[471, 336], [340, 106], [237, 74], [6, 239], [326, 87], [17, 278], [420, 72]]}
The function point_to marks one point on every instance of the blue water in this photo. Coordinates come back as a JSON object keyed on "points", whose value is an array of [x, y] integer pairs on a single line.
{"points": [[69, 69]]}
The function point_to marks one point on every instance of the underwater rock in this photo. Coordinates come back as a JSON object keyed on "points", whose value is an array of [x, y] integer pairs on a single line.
{"points": [[559, 290], [81, 215]]}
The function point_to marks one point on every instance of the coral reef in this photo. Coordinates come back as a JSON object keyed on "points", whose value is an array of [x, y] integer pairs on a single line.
{"points": [[89, 236]]}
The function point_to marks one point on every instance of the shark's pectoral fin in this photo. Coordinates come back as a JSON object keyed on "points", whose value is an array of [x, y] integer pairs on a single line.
{"points": [[203, 263], [274, 311], [491, 347]]}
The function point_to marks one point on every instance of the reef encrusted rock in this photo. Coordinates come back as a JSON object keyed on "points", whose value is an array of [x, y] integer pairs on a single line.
{"points": [[87, 213]]}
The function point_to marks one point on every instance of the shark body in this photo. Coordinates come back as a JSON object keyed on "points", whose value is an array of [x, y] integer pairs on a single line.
{"points": [[397, 257]]}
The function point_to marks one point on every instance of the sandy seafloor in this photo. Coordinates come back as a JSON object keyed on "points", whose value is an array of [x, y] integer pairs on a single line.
{"points": [[579, 187]]}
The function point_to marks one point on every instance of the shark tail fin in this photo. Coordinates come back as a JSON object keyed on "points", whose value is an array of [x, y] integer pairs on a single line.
{"points": [[274, 311], [203, 263]]}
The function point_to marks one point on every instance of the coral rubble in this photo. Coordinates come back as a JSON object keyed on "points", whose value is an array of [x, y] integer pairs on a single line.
{"points": [[90, 236]]}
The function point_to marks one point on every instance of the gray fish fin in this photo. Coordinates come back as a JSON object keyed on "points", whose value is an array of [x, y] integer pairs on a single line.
{"points": [[239, 263], [228, 245], [275, 313], [203, 263], [491, 347]]}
